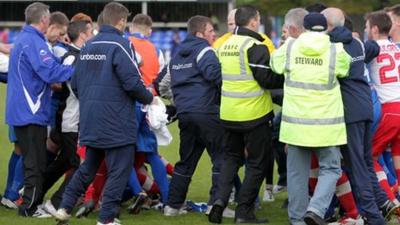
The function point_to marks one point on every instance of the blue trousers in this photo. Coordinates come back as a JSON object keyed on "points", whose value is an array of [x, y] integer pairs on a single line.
{"points": [[298, 170], [357, 155], [119, 162]]}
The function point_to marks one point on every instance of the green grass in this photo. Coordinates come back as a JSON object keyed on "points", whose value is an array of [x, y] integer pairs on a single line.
{"points": [[198, 189]]}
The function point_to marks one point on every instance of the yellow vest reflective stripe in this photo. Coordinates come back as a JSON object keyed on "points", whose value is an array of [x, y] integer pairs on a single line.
{"points": [[312, 113], [242, 99], [332, 61], [311, 86]]}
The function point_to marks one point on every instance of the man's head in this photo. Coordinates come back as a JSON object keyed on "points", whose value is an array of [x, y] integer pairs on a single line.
{"points": [[58, 27], [315, 22], [38, 15], [294, 19], [249, 17], [85, 18], [394, 14], [334, 17], [202, 27], [142, 23], [81, 17], [231, 20], [377, 25], [79, 32], [116, 15]]}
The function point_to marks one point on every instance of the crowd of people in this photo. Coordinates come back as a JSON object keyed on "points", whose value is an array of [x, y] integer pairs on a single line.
{"points": [[84, 103]]}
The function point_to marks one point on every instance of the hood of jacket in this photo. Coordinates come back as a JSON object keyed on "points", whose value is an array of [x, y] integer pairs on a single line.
{"points": [[313, 43], [341, 34], [191, 44]]}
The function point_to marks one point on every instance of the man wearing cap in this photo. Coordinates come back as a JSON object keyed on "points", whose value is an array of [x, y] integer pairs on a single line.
{"points": [[312, 116]]}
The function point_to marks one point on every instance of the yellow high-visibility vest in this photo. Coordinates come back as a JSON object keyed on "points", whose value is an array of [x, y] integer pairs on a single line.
{"points": [[242, 98], [312, 110]]}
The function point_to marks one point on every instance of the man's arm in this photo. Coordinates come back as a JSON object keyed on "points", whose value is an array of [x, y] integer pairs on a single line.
{"points": [[343, 61], [371, 50], [162, 84], [44, 64], [258, 57], [209, 65], [128, 73]]}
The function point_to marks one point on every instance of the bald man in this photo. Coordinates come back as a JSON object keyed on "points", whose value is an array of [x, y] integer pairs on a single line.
{"points": [[356, 95], [231, 29]]}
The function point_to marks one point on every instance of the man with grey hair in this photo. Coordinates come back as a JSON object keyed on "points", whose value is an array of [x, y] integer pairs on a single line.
{"points": [[358, 112], [294, 21], [31, 71]]}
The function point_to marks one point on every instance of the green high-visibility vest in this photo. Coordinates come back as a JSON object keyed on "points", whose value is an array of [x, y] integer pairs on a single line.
{"points": [[312, 110], [242, 98]]}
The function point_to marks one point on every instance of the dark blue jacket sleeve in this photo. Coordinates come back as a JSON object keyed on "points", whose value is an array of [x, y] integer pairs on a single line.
{"points": [[3, 77], [371, 51], [128, 74], [160, 77], [210, 67], [45, 65]]}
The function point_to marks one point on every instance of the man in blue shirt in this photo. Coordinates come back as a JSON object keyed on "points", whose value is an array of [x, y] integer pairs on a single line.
{"points": [[32, 69]]}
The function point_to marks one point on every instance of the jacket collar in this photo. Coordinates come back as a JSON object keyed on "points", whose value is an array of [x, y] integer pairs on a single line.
{"points": [[31, 29], [140, 36], [110, 29], [247, 32], [74, 48]]}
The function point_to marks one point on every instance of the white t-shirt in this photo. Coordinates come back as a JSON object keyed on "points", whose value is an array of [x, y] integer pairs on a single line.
{"points": [[4, 60], [70, 117], [385, 72]]}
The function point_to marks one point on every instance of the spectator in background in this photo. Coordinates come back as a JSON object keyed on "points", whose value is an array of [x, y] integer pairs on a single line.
{"points": [[28, 98]]}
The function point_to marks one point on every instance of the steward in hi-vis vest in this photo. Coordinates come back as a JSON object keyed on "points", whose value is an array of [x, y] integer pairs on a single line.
{"points": [[312, 103], [312, 116], [246, 113]]}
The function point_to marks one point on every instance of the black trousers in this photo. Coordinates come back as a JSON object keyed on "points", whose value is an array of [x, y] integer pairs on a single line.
{"points": [[280, 158], [257, 142], [67, 159], [197, 132], [32, 141]]}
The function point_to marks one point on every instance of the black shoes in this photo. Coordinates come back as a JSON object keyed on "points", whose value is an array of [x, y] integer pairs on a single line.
{"points": [[313, 219], [216, 212], [388, 209], [137, 205], [251, 220]]}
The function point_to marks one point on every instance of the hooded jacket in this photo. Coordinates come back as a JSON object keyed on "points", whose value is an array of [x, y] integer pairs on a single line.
{"points": [[312, 103], [196, 77], [107, 83], [356, 92]]}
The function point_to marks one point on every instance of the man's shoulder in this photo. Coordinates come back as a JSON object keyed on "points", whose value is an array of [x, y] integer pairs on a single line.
{"points": [[111, 39]]}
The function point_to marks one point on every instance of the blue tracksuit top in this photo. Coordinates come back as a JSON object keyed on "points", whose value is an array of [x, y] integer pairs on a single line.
{"points": [[31, 71], [195, 77], [356, 92], [107, 83]]}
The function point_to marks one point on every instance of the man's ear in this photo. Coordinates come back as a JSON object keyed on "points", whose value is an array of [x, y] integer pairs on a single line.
{"points": [[199, 34]]}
